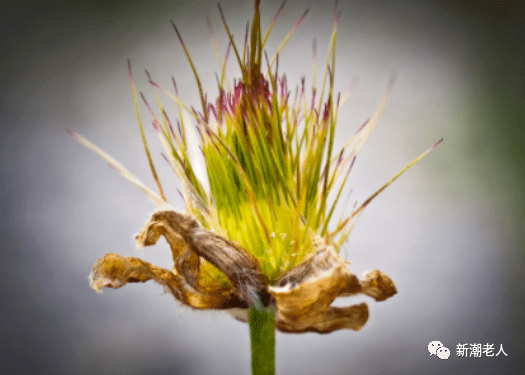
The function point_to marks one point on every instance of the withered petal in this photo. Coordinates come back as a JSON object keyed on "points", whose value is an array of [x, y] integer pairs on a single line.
{"points": [[335, 318], [189, 240], [186, 262], [378, 285], [304, 294], [115, 271]]}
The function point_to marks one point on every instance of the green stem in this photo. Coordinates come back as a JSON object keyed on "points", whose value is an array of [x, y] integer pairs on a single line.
{"points": [[262, 334]]}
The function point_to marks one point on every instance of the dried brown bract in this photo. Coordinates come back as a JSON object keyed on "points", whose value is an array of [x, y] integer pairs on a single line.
{"points": [[302, 296]]}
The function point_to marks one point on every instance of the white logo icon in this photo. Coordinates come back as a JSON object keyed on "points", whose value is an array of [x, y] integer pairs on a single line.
{"points": [[437, 348], [433, 346], [443, 353]]}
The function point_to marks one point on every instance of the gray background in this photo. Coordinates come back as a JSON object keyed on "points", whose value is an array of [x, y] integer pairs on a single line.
{"points": [[450, 232]]}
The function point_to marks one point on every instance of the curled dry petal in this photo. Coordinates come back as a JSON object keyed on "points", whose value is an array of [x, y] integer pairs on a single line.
{"points": [[115, 271], [378, 285], [302, 296], [305, 293], [188, 242]]}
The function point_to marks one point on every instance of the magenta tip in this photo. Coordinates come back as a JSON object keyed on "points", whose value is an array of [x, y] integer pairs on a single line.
{"points": [[129, 71], [74, 135], [437, 143]]}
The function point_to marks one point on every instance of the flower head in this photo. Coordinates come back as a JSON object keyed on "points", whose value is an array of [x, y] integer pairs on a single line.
{"points": [[263, 232]]}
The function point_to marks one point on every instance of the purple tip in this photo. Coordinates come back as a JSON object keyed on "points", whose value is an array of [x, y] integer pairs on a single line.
{"points": [[438, 142], [114, 168], [175, 84], [362, 126], [129, 71], [156, 125], [74, 135]]}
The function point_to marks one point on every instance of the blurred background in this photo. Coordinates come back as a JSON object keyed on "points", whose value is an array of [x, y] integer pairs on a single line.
{"points": [[450, 232]]}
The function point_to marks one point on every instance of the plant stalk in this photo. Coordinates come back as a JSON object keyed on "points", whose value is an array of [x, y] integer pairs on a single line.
{"points": [[262, 334]]}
